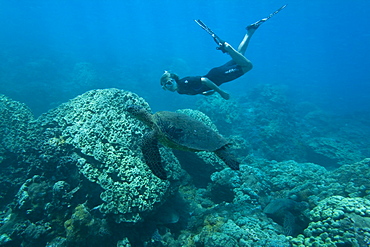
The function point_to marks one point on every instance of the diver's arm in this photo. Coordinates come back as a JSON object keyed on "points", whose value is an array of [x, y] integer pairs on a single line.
{"points": [[207, 82]]}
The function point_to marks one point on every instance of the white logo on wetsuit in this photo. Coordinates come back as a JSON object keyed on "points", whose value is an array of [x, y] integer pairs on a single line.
{"points": [[230, 71]]}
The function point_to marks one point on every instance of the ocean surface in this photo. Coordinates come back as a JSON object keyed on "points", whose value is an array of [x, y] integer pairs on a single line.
{"points": [[73, 171]]}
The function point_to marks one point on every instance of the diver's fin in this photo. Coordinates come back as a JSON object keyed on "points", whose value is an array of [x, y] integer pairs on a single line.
{"points": [[258, 23], [217, 39]]}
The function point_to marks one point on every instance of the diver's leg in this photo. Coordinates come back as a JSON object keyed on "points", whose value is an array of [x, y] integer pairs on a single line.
{"points": [[238, 58], [245, 42], [252, 28], [238, 55], [247, 37]]}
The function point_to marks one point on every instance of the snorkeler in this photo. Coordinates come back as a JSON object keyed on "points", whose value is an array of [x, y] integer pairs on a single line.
{"points": [[208, 84]]}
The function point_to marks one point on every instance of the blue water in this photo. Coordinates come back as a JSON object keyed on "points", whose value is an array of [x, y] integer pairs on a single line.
{"points": [[319, 49]]}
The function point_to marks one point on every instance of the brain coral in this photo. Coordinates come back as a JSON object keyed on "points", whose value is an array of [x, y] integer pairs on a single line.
{"points": [[104, 142], [337, 221]]}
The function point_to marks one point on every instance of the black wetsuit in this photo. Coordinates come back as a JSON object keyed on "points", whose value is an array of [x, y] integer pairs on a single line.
{"points": [[192, 85]]}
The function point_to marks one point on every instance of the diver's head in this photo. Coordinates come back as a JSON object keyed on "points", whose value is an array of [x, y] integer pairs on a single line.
{"points": [[169, 81]]}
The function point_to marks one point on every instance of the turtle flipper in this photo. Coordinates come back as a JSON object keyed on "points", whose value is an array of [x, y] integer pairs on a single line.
{"points": [[152, 157], [227, 158]]}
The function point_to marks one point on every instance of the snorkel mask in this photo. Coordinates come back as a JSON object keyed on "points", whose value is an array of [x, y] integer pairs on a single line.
{"points": [[168, 81]]}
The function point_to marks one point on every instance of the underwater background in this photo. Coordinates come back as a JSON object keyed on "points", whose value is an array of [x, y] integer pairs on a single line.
{"points": [[72, 170], [318, 49]]}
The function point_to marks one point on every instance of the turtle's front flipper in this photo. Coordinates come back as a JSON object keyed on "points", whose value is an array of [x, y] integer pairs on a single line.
{"points": [[152, 156], [229, 160]]}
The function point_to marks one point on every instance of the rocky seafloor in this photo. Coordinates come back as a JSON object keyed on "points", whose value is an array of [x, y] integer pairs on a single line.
{"points": [[75, 176]]}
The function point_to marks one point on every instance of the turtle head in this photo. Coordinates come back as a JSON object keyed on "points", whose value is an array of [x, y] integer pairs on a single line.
{"points": [[140, 113]]}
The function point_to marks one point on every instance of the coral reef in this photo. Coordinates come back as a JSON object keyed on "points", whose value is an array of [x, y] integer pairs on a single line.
{"points": [[288, 214], [228, 228], [354, 178], [15, 124], [16, 146], [228, 112], [87, 151], [82, 224], [332, 152], [103, 140], [261, 121], [223, 224], [337, 221], [75, 176], [265, 124]]}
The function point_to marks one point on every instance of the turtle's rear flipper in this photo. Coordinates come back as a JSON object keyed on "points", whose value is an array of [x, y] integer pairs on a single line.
{"points": [[226, 157], [152, 156]]}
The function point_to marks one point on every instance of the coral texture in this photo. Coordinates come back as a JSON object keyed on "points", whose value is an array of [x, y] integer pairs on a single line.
{"points": [[15, 124], [104, 140], [337, 221], [76, 176]]}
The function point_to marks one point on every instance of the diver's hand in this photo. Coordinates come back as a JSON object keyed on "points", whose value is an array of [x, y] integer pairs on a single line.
{"points": [[225, 95], [207, 82], [227, 47], [222, 47]]}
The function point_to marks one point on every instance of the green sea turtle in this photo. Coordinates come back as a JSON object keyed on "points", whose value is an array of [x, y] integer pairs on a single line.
{"points": [[178, 131]]}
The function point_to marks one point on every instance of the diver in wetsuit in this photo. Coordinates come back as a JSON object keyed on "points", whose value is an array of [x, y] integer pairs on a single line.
{"points": [[209, 83]]}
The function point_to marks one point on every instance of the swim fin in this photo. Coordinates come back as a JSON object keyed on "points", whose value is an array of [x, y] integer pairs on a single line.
{"points": [[217, 39], [258, 23]]}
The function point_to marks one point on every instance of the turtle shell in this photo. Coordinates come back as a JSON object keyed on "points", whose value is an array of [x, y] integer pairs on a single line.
{"points": [[181, 131]]}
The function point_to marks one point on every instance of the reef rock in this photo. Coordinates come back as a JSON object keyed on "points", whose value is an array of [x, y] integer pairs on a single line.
{"points": [[287, 213], [355, 179], [94, 132], [337, 221], [332, 152], [14, 126], [16, 134]]}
